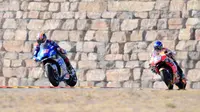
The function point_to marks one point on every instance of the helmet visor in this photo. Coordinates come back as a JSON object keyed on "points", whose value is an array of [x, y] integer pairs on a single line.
{"points": [[40, 41], [157, 48]]}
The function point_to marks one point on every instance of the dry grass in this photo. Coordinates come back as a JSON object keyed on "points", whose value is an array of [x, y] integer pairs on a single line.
{"points": [[171, 105], [98, 100]]}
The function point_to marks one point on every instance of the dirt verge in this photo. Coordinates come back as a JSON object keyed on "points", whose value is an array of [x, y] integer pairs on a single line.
{"points": [[99, 100]]}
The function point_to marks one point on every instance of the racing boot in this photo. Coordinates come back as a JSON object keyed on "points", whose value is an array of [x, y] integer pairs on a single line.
{"points": [[62, 54], [68, 64], [184, 80]]}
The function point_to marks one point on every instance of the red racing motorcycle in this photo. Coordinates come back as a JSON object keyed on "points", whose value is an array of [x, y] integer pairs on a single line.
{"points": [[158, 64]]}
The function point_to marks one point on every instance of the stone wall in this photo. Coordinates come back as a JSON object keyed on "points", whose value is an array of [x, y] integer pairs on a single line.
{"points": [[109, 41]]}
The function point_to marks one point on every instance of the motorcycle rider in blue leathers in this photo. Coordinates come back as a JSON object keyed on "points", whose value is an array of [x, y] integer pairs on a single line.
{"points": [[42, 38]]}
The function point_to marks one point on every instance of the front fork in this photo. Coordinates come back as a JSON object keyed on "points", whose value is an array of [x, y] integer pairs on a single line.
{"points": [[175, 78], [59, 78], [171, 81]]}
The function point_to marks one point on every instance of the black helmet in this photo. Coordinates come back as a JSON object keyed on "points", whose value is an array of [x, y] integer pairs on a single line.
{"points": [[41, 38]]}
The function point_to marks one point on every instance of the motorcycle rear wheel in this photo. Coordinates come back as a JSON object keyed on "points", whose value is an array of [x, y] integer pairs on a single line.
{"points": [[167, 78], [181, 84], [72, 81], [52, 76]]}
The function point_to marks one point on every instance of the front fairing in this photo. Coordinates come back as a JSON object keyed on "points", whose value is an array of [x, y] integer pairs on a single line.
{"points": [[157, 57], [157, 61], [46, 51]]}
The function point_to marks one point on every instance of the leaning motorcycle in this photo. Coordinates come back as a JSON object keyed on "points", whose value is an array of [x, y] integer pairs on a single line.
{"points": [[159, 66], [55, 66]]}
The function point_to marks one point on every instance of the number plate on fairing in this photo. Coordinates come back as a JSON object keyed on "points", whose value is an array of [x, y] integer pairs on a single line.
{"points": [[157, 59]]}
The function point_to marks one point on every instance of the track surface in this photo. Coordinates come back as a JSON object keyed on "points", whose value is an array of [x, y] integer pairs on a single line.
{"points": [[98, 100]]}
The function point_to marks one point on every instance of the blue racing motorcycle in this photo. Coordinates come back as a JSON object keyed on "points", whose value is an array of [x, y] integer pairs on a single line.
{"points": [[55, 66]]}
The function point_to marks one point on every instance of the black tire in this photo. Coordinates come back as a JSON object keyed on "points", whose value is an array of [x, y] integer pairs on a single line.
{"points": [[51, 75], [72, 81], [181, 84], [167, 78]]}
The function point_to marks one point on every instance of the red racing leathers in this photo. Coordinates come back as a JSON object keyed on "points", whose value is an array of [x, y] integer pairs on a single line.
{"points": [[169, 61]]}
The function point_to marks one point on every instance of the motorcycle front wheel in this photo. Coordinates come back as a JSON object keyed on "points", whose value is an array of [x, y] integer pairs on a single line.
{"points": [[52, 76], [167, 78]]}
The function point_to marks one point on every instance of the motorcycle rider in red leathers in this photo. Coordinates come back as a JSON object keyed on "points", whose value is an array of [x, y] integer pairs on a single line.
{"points": [[42, 38], [158, 47]]}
